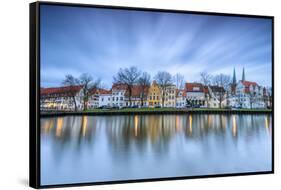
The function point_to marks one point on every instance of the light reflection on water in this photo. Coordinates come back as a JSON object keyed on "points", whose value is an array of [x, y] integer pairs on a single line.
{"points": [[76, 149]]}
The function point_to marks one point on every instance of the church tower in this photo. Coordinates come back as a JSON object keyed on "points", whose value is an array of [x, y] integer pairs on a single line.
{"points": [[243, 75], [234, 77]]}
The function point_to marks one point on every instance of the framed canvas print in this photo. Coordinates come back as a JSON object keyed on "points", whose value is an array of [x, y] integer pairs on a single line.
{"points": [[122, 94]]}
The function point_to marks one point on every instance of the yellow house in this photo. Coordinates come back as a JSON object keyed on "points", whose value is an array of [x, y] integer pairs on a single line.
{"points": [[154, 95]]}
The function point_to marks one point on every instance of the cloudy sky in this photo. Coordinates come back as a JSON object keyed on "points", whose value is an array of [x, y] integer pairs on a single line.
{"points": [[76, 40]]}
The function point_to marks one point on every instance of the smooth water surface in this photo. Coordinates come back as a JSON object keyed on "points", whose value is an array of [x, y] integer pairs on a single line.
{"points": [[79, 149]]}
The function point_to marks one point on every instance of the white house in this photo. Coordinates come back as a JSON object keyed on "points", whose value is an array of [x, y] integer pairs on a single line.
{"points": [[249, 95], [105, 98], [195, 94], [180, 99], [118, 95], [217, 97], [170, 96], [93, 101]]}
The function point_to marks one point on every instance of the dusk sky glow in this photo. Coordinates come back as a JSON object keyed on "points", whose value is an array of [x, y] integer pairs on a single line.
{"points": [[76, 40]]}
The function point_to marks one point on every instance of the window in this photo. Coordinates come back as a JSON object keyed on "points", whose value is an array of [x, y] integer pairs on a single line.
{"points": [[102, 99], [196, 88], [121, 98], [116, 98]]}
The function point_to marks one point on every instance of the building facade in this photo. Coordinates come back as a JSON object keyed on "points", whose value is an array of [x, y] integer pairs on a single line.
{"points": [[195, 95], [170, 96], [180, 99], [217, 96], [105, 98], [61, 98], [154, 97], [118, 95], [247, 94]]}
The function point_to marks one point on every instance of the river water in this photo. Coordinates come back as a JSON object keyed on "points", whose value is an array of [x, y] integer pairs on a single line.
{"points": [[80, 149]]}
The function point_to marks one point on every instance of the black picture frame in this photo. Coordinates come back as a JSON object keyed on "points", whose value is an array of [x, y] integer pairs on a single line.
{"points": [[34, 93]]}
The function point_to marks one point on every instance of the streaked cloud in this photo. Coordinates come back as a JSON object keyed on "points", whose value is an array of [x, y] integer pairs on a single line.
{"points": [[76, 40]]}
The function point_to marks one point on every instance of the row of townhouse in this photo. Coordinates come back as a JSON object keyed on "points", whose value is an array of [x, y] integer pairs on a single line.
{"points": [[147, 96], [247, 94], [244, 94], [61, 98]]}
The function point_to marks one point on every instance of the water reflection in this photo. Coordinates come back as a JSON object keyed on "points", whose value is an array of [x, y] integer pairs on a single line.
{"points": [[99, 148], [234, 126]]}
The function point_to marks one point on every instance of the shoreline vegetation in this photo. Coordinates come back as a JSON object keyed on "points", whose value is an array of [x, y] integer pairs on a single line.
{"points": [[146, 111]]}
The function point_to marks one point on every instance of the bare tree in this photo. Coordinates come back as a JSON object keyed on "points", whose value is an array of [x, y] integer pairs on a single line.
{"points": [[71, 82], [223, 82], [144, 82], [129, 77], [87, 83], [206, 80], [163, 79], [179, 81]]}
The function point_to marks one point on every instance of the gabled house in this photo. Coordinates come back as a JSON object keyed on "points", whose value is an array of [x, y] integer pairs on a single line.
{"points": [[118, 95], [195, 94], [138, 96], [154, 97], [105, 98], [180, 99], [249, 95], [217, 96]]}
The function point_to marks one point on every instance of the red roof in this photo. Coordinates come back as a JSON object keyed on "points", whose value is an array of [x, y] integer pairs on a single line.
{"points": [[99, 91], [62, 91], [248, 83], [104, 91], [194, 87], [119, 86], [137, 89]]}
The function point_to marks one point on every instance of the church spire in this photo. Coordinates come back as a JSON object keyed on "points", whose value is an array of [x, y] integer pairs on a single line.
{"points": [[234, 77], [243, 75]]}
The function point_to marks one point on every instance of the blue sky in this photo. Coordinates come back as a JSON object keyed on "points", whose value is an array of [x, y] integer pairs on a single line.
{"points": [[76, 40]]}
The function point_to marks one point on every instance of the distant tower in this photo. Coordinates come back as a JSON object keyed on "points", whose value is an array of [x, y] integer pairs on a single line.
{"points": [[243, 75], [234, 77]]}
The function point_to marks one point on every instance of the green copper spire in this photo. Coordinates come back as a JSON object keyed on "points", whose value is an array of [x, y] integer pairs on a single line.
{"points": [[234, 77], [243, 75]]}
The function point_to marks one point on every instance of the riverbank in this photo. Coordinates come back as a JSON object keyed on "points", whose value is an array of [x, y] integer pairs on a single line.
{"points": [[144, 111]]}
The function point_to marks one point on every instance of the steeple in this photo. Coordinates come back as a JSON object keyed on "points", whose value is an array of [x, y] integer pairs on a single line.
{"points": [[234, 77], [243, 75]]}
